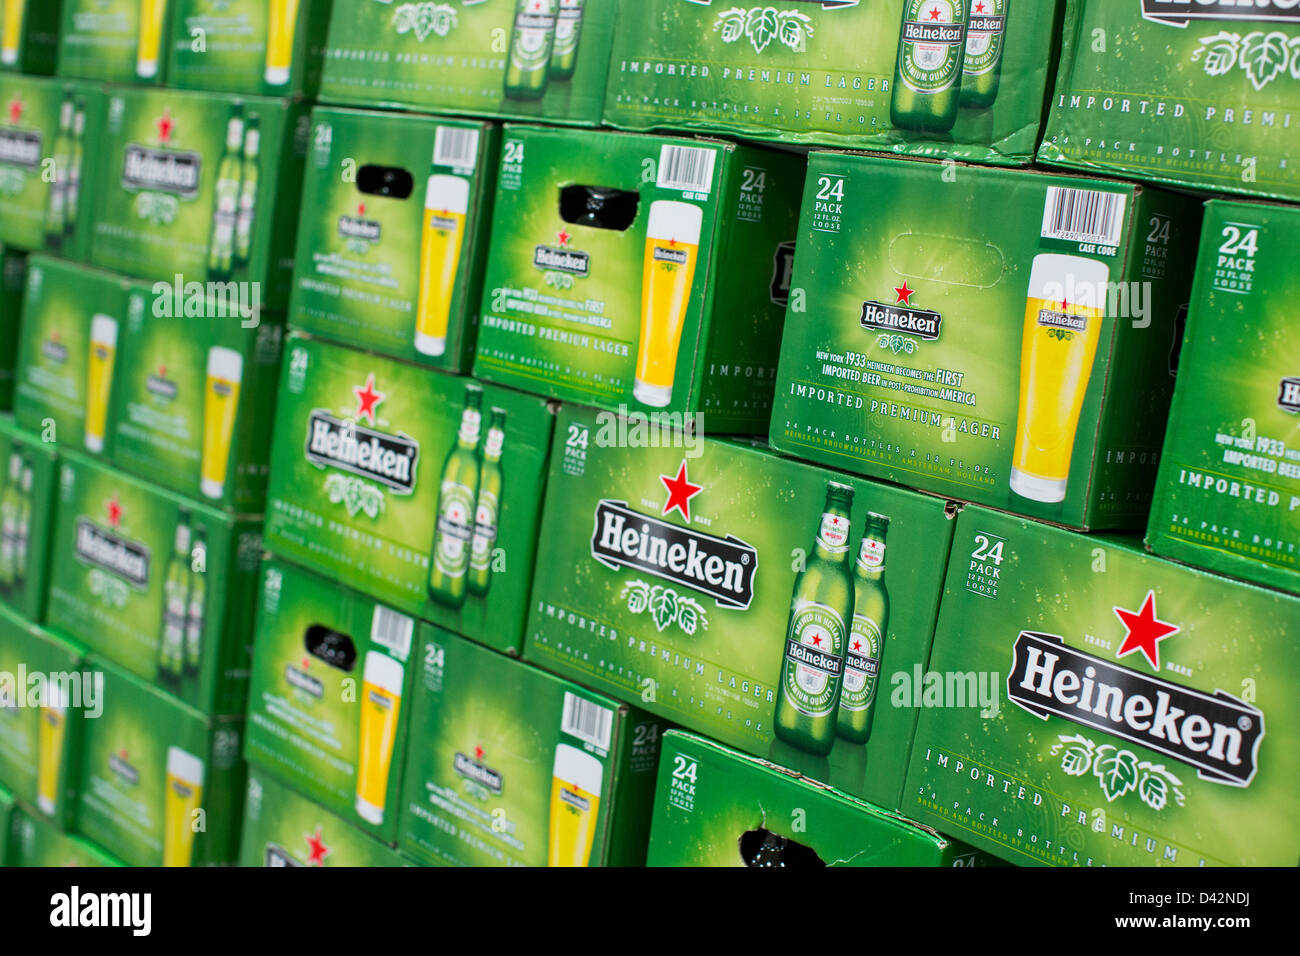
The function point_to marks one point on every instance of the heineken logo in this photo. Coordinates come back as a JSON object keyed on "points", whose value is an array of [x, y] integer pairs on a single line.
{"points": [[161, 170], [108, 551], [980, 23], [675, 256], [158, 384], [1066, 321], [307, 683], [349, 446], [354, 227], [782, 270], [1288, 396], [562, 260], [21, 147], [810, 656], [477, 771], [118, 764], [921, 31], [1216, 734], [277, 855], [54, 350], [575, 800], [722, 568], [1179, 13], [882, 317]]}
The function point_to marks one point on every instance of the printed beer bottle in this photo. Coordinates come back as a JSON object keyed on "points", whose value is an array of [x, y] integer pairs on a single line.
{"points": [[457, 498], [928, 72], [195, 611], [820, 611], [22, 543], [247, 213], [56, 208], [10, 507], [866, 634], [176, 596], [225, 208], [985, 39], [488, 513], [568, 34], [530, 49]]}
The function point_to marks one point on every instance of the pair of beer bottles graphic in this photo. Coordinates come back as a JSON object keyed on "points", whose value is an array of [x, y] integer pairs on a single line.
{"points": [[185, 593], [234, 207], [225, 371], [543, 46], [63, 201], [839, 621], [15, 523], [949, 58], [469, 507]]}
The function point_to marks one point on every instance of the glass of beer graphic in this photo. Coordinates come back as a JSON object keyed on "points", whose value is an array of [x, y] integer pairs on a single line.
{"points": [[575, 803], [445, 204], [281, 21], [13, 31], [99, 379], [381, 701], [671, 247], [1063, 317], [53, 729], [183, 797], [152, 14], [221, 400]]}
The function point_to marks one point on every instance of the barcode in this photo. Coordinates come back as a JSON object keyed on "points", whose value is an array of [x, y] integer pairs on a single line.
{"points": [[688, 168], [455, 147], [1083, 215], [587, 721], [393, 631]]}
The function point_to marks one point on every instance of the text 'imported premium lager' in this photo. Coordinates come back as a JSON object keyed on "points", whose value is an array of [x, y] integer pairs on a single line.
{"points": [[716, 587], [517, 767], [114, 41], [159, 784], [639, 272], [923, 77], [542, 59], [384, 477], [1191, 92], [393, 235], [1228, 494], [990, 354], [1134, 730], [330, 695]]}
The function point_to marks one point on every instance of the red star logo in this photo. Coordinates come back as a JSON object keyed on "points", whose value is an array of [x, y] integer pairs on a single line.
{"points": [[361, 209], [114, 509], [165, 127], [857, 645], [368, 399], [905, 294], [162, 371], [478, 753], [817, 640], [317, 849], [934, 13], [122, 753], [680, 492], [1145, 631], [15, 111], [979, 8], [563, 236], [305, 663]]}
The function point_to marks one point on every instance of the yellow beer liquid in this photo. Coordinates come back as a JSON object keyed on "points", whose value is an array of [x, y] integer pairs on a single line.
{"points": [[281, 20], [151, 23], [573, 824], [1054, 373], [218, 425], [665, 294], [379, 709], [182, 799], [13, 28], [53, 724], [99, 385], [439, 259]]}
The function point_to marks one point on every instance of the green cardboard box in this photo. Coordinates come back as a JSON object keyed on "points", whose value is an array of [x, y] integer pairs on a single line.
{"points": [[1139, 725], [517, 767], [742, 595], [202, 188], [421, 489], [1228, 492], [194, 398], [67, 353], [31, 36], [718, 807], [527, 59], [36, 842], [6, 818], [959, 78], [992, 352], [394, 233], [13, 279], [282, 828], [257, 47], [161, 585], [329, 704], [640, 272], [116, 41], [48, 127], [26, 519], [160, 783], [44, 691], [1199, 93]]}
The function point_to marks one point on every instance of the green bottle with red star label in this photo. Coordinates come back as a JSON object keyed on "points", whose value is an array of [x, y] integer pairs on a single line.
{"points": [[457, 500], [866, 635]]}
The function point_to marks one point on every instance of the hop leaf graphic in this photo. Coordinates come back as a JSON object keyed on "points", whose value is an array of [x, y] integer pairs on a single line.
{"points": [[762, 27], [1219, 52], [11, 181], [1076, 754], [690, 616], [1116, 769], [1157, 784], [1295, 57], [424, 19], [355, 495], [663, 607], [638, 596], [792, 29], [731, 23], [1264, 56]]}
